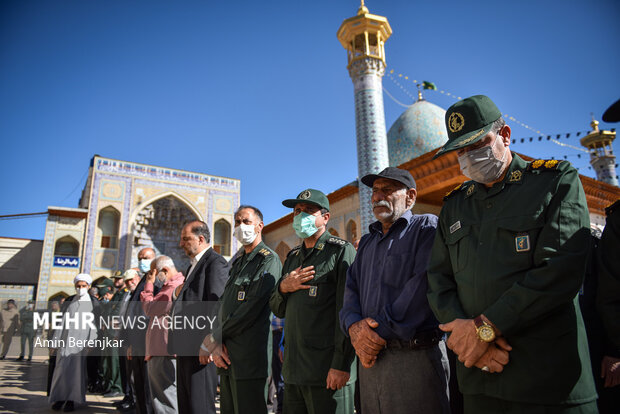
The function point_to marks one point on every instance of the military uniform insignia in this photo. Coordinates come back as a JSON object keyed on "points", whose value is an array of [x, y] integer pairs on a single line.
{"points": [[537, 164], [264, 252], [305, 195], [551, 164], [455, 226], [515, 176], [470, 190], [456, 122], [312, 291], [452, 191], [320, 246], [335, 240], [241, 295], [522, 243]]}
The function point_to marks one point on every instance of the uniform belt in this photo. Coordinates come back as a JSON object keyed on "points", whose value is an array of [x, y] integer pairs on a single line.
{"points": [[422, 340]]}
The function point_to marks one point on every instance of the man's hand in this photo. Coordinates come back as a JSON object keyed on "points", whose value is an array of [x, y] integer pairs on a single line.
{"points": [[610, 370], [495, 357], [220, 357], [366, 341], [150, 276], [295, 280], [203, 356], [336, 379], [464, 341]]}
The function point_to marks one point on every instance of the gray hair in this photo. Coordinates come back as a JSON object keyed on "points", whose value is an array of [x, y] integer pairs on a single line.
{"points": [[164, 261], [200, 228], [498, 125]]}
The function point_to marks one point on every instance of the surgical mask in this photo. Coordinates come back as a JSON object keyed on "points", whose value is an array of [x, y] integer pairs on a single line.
{"points": [[144, 265], [304, 225], [481, 164], [161, 278], [81, 291], [245, 234]]}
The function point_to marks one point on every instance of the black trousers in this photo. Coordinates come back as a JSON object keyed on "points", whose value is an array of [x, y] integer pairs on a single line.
{"points": [[136, 370], [196, 386], [125, 380]]}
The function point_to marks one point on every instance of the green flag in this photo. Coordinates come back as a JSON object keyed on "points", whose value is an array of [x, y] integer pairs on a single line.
{"points": [[429, 85]]}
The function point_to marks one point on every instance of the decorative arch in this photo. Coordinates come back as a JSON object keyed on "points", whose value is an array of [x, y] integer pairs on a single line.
{"points": [[157, 223], [58, 297], [221, 237], [352, 234], [67, 246], [108, 223], [282, 250]]}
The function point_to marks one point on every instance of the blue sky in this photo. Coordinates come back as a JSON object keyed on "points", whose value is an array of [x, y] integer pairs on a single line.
{"points": [[259, 91]]}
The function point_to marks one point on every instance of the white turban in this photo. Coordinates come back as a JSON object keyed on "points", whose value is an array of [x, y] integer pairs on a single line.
{"points": [[84, 277]]}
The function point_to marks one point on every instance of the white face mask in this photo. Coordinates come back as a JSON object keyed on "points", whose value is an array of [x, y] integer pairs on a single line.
{"points": [[481, 165], [245, 234], [81, 291]]}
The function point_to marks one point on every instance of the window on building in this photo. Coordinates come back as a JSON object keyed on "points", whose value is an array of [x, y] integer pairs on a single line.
{"points": [[67, 246], [352, 231], [109, 220], [221, 237]]}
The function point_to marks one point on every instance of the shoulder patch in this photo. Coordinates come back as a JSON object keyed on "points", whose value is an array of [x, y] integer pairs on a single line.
{"points": [[454, 190], [544, 165], [294, 250], [264, 252], [336, 240]]}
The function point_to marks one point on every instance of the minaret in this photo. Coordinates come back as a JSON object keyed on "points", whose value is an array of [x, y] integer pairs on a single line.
{"points": [[602, 156], [363, 36]]}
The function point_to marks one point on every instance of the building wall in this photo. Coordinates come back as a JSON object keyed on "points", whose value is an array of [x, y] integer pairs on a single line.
{"points": [[57, 273], [19, 268], [130, 188]]}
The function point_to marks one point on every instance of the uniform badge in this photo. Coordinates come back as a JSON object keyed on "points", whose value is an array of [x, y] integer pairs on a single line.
{"points": [[455, 226], [522, 243], [241, 295], [312, 291], [515, 176], [305, 195], [320, 246], [470, 190], [456, 122]]}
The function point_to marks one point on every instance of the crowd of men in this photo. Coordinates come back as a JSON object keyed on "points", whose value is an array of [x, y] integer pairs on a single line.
{"points": [[490, 289]]}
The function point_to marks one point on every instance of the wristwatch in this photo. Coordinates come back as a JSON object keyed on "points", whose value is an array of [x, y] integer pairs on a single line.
{"points": [[484, 330]]}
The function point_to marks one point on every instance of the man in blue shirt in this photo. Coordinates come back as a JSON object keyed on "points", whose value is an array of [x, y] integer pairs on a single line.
{"points": [[386, 312]]}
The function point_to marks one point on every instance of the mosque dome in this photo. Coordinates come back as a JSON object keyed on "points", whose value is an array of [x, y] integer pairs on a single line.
{"points": [[418, 130]]}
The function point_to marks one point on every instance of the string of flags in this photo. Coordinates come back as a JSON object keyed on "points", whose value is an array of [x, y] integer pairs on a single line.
{"points": [[392, 75]]}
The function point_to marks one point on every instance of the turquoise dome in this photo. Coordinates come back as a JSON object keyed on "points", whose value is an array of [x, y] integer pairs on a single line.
{"points": [[418, 130]]}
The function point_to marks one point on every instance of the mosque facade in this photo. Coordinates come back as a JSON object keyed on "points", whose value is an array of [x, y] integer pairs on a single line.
{"points": [[126, 206]]}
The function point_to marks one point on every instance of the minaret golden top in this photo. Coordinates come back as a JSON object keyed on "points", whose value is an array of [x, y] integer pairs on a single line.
{"points": [[364, 35], [597, 138]]}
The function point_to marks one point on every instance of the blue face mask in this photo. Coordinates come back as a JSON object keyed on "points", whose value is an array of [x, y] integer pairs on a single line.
{"points": [[304, 225], [145, 265]]}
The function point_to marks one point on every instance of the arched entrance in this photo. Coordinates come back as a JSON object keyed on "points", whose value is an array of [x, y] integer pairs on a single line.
{"points": [[159, 225]]}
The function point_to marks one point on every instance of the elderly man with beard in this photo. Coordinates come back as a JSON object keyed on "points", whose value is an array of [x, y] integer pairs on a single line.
{"points": [[386, 312]]}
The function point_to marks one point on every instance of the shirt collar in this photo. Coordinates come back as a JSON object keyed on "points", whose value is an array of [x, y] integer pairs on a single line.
{"points": [[377, 227], [197, 258]]}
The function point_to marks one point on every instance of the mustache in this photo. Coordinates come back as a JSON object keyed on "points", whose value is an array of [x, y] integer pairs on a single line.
{"points": [[381, 203]]}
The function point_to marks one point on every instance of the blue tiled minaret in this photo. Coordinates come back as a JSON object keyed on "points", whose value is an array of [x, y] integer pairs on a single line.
{"points": [[364, 36]]}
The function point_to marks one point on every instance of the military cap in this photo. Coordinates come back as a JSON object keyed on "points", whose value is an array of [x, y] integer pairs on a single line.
{"points": [[612, 114], [309, 196], [130, 274], [105, 282], [117, 275], [468, 121], [104, 291], [392, 173]]}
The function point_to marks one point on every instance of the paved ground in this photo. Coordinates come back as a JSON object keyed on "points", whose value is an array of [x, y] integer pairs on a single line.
{"points": [[23, 389]]}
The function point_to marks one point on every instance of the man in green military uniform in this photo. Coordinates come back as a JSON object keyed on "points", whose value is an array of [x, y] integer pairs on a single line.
{"points": [[239, 343], [26, 317], [318, 357], [507, 263], [110, 370], [119, 306]]}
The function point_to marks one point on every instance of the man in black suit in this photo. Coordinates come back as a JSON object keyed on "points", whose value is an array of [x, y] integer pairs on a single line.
{"points": [[136, 366], [205, 281]]}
